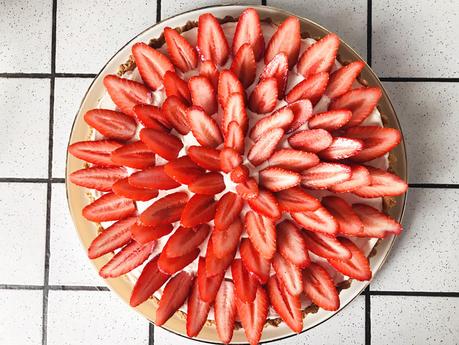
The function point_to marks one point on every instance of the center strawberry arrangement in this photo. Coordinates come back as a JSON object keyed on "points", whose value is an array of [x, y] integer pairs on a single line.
{"points": [[246, 190]]}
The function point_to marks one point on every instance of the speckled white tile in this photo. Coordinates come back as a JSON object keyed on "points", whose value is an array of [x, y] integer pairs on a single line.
{"points": [[20, 52], [93, 317], [24, 117], [425, 256], [89, 35], [171, 8], [347, 18], [21, 317], [406, 320], [67, 98], [416, 38], [22, 245], [428, 114]]}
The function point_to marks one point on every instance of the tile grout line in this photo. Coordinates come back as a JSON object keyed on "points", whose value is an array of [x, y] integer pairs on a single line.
{"points": [[47, 75], [31, 180], [369, 31], [367, 316], [264, 2], [420, 79]]}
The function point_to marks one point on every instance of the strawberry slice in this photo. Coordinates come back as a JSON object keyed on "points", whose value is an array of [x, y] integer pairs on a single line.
{"points": [[311, 88], [152, 178], [319, 57], [197, 312], [248, 30], [325, 246], [239, 174], [164, 144], [210, 184], [126, 93], [330, 120], [302, 111], [111, 124], [265, 146], [183, 170], [109, 207], [174, 295], [290, 244], [361, 102], [276, 179], [248, 190], [263, 98], [234, 110], [225, 311], [228, 209], [375, 223], [209, 70], [286, 305], [212, 44], [279, 119], [262, 234], [253, 315], [128, 258], [342, 148], [341, 80], [123, 188], [203, 94], [150, 280], [324, 175], [234, 138], [134, 155], [229, 159], [348, 221], [181, 53], [176, 86], [359, 177], [200, 209], [228, 84], [319, 287], [142, 233], [171, 266], [225, 241], [277, 68], [96, 152], [319, 220], [253, 261], [287, 40], [382, 183], [288, 275], [294, 160], [205, 129], [185, 240], [205, 157], [296, 199], [357, 267], [265, 204], [152, 117], [98, 178], [166, 210], [244, 282], [313, 140], [377, 141], [244, 65], [217, 265], [115, 236], [208, 285]]}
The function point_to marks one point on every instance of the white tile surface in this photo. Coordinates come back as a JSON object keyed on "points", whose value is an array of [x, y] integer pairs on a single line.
{"points": [[416, 38], [93, 317], [23, 232], [21, 317], [21, 51], [414, 320], [24, 117], [171, 8], [425, 256]]}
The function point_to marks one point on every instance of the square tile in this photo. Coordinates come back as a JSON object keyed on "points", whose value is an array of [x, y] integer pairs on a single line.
{"points": [[172, 8], [69, 264], [93, 317], [88, 36], [20, 52], [21, 317], [348, 19], [22, 248], [67, 98], [428, 115], [24, 115], [416, 38], [425, 255], [404, 320]]}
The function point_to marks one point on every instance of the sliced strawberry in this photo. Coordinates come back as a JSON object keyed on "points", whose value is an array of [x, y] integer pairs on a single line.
{"points": [[126, 93], [205, 129], [234, 138], [176, 86], [244, 65], [228, 209], [330, 120], [134, 155], [359, 177], [203, 94], [210, 184], [377, 141], [171, 266], [287, 39], [313, 140], [382, 183], [206, 157], [217, 265], [143, 234], [262, 233], [265, 204], [200, 209], [152, 178], [209, 70], [98, 178], [276, 179], [357, 267], [225, 241], [277, 68], [319, 220], [244, 282], [174, 296], [96, 152], [228, 84], [342, 148], [253, 261], [288, 275], [212, 44], [182, 53], [302, 111], [265, 146], [325, 246], [225, 311], [239, 174], [208, 285], [279, 119], [349, 223], [294, 160], [150, 280], [248, 190], [319, 57], [183, 170], [234, 110], [341, 80], [375, 223], [109, 207], [296, 199], [248, 30], [361, 102], [311, 88], [197, 312], [166, 210], [115, 236], [111, 124], [324, 175], [319, 287], [185, 240], [263, 98], [152, 117], [123, 188], [164, 144], [229, 159], [290, 244]]}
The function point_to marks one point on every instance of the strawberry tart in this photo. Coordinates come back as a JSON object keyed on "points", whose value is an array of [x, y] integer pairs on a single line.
{"points": [[240, 173]]}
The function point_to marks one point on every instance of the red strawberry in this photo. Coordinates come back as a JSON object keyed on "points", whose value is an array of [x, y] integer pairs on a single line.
{"points": [[212, 44], [244, 282], [171, 266], [228, 209], [302, 111], [166, 210], [185, 240], [123, 188], [342, 148], [357, 267], [143, 234], [225, 241], [126, 93], [248, 190], [382, 183], [152, 117], [311, 88], [360, 177], [98, 178], [244, 65], [319, 220], [217, 265], [109, 207], [228, 84], [253, 261], [206, 157], [234, 110], [203, 94], [265, 204], [96, 152], [262, 234], [330, 120], [263, 98], [277, 68], [296, 199], [152, 64], [375, 223], [294, 160], [182, 53], [239, 174], [229, 159], [265, 146], [209, 70], [319, 287], [349, 223], [288, 275], [313, 140], [276, 179], [279, 119], [208, 285], [211, 183], [204, 128], [134, 155], [291, 244], [319, 57], [248, 30], [325, 246], [225, 311], [164, 144], [324, 175], [152, 178], [200, 209], [361, 102], [341, 80], [175, 86], [287, 39], [183, 170], [197, 312], [234, 138], [111, 124]]}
